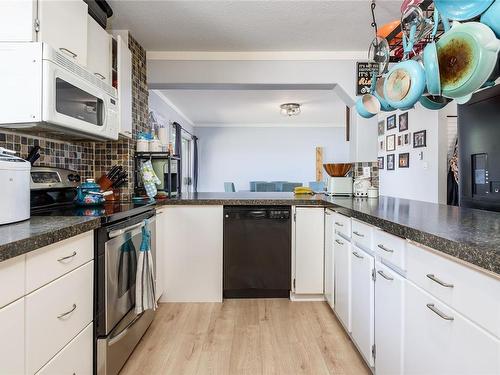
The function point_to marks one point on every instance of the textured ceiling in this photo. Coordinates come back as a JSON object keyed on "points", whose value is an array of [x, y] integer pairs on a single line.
{"points": [[333, 25]]}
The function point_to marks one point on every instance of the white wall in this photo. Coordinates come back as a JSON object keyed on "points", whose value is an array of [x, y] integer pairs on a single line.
{"points": [[165, 111], [425, 179], [244, 154]]}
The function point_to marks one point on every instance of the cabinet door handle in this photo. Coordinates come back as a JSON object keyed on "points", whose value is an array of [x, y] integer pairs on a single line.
{"points": [[357, 255], [69, 52], [440, 282], [358, 234], [339, 224], [339, 242], [99, 75], [439, 313], [381, 273], [67, 312], [67, 257], [385, 248]]}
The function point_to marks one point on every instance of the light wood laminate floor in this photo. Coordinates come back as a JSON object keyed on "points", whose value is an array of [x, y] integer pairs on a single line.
{"points": [[265, 336]]}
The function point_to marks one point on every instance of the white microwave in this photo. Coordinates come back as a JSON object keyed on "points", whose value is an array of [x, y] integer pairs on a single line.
{"points": [[42, 90]]}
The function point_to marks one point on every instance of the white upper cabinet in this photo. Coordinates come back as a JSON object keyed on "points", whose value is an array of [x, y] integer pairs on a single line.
{"points": [[329, 258], [362, 302], [342, 254], [99, 51], [63, 25], [17, 20], [122, 80], [309, 250]]}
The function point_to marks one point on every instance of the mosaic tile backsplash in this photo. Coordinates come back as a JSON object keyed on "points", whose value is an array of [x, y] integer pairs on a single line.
{"points": [[92, 159]]}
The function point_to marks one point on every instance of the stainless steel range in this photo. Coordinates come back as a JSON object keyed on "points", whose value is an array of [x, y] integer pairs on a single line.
{"points": [[117, 329]]}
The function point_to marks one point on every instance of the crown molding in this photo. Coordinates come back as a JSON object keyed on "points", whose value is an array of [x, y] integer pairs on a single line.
{"points": [[268, 125], [173, 106]]}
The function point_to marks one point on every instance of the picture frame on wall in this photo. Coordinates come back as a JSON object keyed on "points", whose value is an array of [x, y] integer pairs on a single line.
{"points": [[381, 128], [420, 139], [400, 140], [382, 145], [390, 162], [403, 122], [407, 139], [404, 160], [380, 160], [390, 142], [391, 122]]}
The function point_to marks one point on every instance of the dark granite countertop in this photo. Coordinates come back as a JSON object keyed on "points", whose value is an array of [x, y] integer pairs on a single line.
{"points": [[470, 235], [21, 238], [467, 234]]}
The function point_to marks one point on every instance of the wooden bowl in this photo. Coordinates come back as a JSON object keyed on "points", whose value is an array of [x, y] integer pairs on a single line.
{"points": [[337, 169]]}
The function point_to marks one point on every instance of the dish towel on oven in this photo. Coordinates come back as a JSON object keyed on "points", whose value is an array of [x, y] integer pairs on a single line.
{"points": [[149, 179], [145, 296]]}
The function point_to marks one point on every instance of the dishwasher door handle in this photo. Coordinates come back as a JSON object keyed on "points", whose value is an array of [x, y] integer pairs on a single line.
{"points": [[257, 214]]}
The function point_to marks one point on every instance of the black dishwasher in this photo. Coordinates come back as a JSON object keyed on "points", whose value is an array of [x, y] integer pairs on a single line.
{"points": [[257, 251]]}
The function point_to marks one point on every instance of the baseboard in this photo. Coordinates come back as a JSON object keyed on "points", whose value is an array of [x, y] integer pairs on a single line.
{"points": [[307, 297]]}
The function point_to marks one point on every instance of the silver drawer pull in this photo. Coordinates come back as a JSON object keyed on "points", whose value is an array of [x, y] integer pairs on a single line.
{"points": [[339, 224], [339, 242], [99, 75], [385, 248], [62, 49], [357, 255], [67, 257], [439, 313], [440, 282], [358, 234], [67, 312], [381, 273]]}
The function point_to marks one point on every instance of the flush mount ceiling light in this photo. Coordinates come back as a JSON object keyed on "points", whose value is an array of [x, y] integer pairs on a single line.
{"points": [[290, 109]]}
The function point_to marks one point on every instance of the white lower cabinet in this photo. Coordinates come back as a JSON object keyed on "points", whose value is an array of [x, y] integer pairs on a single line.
{"points": [[439, 340], [309, 250], [12, 338], [389, 321], [329, 257], [56, 313], [362, 302], [193, 259], [161, 244], [342, 254], [75, 358]]}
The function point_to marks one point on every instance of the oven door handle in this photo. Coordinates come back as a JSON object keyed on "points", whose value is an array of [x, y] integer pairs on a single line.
{"points": [[119, 232], [118, 336]]}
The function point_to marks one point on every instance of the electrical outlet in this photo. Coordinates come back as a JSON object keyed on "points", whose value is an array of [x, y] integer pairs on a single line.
{"points": [[366, 171]]}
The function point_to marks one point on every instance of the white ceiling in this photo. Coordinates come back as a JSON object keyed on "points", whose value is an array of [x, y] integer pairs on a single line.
{"points": [[237, 25], [257, 107]]}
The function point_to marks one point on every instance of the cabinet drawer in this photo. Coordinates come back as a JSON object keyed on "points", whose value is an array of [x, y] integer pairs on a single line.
{"points": [[75, 358], [12, 338], [439, 340], [342, 225], [468, 291], [56, 313], [362, 234], [50, 262], [390, 248], [12, 273]]}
